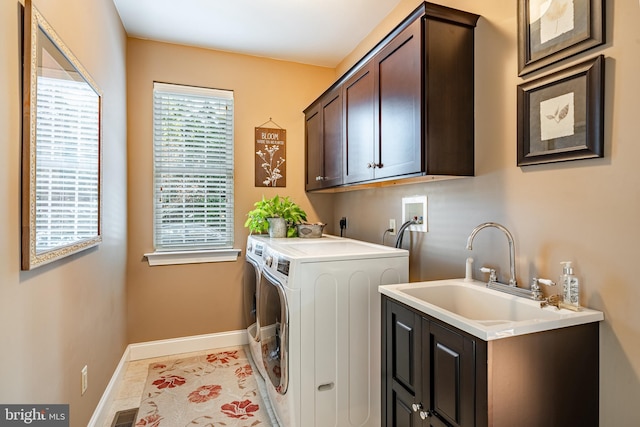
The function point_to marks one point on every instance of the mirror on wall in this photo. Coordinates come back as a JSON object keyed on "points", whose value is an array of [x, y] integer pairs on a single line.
{"points": [[61, 170]]}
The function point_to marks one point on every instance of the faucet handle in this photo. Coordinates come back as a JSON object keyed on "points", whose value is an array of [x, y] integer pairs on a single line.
{"points": [[492, 273], [535, 287], [545, 281]]}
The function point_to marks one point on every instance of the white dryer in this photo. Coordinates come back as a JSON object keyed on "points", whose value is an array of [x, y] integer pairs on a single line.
{"points": [[254, 263], [319, 322]]}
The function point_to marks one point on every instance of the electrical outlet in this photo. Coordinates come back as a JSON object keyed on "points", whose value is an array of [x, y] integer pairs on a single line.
{"points": [[392, 226], [84, 378]]}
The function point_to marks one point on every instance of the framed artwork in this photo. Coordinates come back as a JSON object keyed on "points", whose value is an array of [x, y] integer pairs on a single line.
{"points": [[61, 149], [561, 116], [552, 30], [271, 155]]}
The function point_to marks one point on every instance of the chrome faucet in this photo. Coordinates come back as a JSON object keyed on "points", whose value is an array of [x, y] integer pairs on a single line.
{"points": [[512, 249]]}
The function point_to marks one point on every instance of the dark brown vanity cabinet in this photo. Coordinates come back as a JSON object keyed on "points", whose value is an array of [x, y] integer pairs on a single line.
{"points": [[430, 372], [434, 374], [407, 106], [323, 131]]}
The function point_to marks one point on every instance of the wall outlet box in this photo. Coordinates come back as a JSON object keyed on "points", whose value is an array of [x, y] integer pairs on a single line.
{"points": [[415, 208]]}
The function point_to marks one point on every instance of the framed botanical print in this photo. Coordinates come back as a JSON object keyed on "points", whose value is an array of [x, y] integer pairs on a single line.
{"points": [[552, 30], [561, 116]]}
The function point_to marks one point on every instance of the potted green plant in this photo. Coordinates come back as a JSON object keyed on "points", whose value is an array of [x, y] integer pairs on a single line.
{"points": [[261, 218]]}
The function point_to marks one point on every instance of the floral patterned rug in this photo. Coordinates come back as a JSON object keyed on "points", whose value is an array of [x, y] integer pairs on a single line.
{"points": [[217, 389]]}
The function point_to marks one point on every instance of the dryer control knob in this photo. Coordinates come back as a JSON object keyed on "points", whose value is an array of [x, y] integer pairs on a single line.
{"points": [[269, 261]]}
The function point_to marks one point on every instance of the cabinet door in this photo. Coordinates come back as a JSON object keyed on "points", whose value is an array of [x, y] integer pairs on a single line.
{"points": [[332, 139], [399, 104], [359, 115], [313, 136], [324, 142], [449, 382], [401, 365]]}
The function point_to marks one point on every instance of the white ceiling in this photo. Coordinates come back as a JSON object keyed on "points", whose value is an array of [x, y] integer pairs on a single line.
{"points": [[318, 32]]}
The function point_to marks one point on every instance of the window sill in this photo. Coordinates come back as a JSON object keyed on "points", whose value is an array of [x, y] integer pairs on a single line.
{"points": [[192, 257]]}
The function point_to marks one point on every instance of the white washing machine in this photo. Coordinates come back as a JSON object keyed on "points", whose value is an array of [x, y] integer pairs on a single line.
{"points": [[254, 263], [319, 323]]}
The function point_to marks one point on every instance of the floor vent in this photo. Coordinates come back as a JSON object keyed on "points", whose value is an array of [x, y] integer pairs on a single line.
{"points": [[125, 418]]}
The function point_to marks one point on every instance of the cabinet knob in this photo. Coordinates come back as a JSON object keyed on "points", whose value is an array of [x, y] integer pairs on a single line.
{"points": [[417, 407], [370, 165], [320, 178]]}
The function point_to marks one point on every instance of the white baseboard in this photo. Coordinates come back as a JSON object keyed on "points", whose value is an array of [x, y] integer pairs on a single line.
{"points": [[110, 393], [169, 347], [160, 348]]}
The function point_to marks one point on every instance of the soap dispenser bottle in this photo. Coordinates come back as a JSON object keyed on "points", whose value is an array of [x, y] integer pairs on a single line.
{"points": [[570, 285]]}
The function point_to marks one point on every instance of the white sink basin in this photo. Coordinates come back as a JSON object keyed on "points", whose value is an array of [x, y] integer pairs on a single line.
{"points": [[482, 312]]}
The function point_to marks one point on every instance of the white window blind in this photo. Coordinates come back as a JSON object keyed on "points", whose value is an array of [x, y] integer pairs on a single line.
{"points": [[193, 168], [67, 162]]}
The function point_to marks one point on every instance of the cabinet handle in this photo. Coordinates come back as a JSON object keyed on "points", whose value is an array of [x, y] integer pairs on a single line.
{"points": [[320, 178], [417, 407], [425, 414]]}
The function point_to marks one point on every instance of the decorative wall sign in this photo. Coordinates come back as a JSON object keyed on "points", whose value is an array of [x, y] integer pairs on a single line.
{"points": [[552, 30], [561, 116], [271, 154]]}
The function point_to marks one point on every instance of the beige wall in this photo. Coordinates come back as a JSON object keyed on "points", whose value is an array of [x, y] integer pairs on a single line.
{"points": [[173, 301], [59, 317], [586, 211]]}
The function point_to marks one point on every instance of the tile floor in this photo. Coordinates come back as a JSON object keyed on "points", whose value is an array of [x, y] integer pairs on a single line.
{"points": [[130, 389]]}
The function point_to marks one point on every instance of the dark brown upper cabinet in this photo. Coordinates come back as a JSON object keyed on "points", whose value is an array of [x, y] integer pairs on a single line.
{"points": [[382, 111], [323, 134], [407, 106]]}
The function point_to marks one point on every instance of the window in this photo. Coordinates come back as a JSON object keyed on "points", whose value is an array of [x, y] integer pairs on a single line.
{"points": [[193, 168]]}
